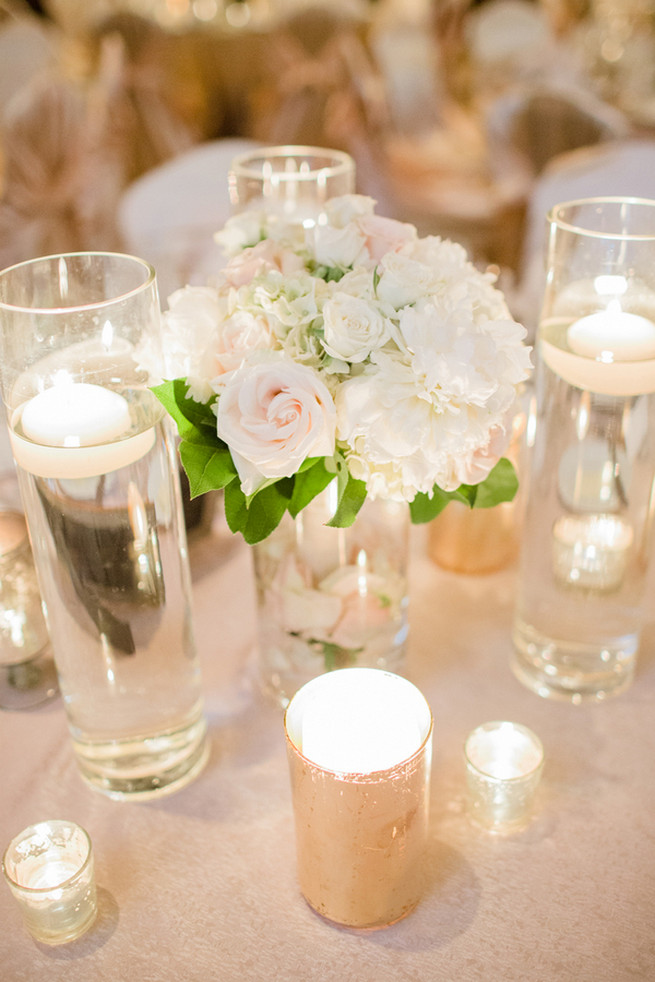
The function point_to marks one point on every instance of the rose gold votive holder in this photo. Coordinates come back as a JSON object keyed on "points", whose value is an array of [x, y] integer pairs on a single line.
{"points": [[361, 804]]}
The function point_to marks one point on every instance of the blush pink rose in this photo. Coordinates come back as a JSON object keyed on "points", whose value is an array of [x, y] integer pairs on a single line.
{"points": [[475, 467], [261, 258], [384, 235], [274, 413], [238, 336]]}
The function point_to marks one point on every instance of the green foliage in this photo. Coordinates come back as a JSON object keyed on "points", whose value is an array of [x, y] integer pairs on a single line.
{"points": [[501, 484], [209, 466]]}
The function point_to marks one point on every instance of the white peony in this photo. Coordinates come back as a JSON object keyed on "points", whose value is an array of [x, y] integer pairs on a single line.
{"points": [[336, 247]]}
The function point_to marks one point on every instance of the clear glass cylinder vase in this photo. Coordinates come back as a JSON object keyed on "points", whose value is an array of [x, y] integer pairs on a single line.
{"points": [[293, 182], [99, 482], [587, 541], [331, 598]]}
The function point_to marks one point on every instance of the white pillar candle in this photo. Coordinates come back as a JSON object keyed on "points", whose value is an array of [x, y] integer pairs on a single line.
{"points": [[503, 765], [75, 414], [613, 335]]}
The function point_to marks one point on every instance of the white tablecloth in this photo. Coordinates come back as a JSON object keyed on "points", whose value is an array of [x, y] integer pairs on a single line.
{"points": [[201, 886]]}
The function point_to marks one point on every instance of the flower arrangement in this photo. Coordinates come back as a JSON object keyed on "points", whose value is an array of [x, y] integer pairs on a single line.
{"points": [[353, 350]]}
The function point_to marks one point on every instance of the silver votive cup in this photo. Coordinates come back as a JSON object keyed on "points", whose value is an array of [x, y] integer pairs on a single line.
{"points": [[49, 870], [504, 762]]}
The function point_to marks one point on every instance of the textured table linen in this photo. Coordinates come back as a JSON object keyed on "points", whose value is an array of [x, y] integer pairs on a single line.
{"points": [[201, 886]]}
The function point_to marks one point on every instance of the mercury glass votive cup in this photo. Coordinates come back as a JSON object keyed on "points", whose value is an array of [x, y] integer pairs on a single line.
{"points": [[504, 762], [361, 828], [27, 671], [293, 182], [49, 870]]}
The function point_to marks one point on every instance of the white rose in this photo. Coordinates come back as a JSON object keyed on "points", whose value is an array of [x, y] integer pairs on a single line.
{"points": [[353, 328], [403, 280], [347, 207], [240, 231], [236, 337], [273, 414], [340, 247]]}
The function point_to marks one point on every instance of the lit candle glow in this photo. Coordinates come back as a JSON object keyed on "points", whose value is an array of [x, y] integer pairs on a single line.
{"points": [[503, 763], [49, 870], [372, 725], [360, 794]]}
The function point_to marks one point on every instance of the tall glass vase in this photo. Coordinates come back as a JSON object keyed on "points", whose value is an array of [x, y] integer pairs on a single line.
{"points": [[588, 533], [100, 488], [330, 598]]}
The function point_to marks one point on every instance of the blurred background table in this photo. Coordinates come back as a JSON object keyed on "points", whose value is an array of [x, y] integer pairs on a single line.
{"points": [[202, 885], [453, 110]]}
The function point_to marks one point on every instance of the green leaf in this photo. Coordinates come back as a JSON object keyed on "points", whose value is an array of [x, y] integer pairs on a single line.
{"points": [[501, 484], [424, 507], [195, 421], [257, 518], [207, 466], [351, 497], [312, 478]]}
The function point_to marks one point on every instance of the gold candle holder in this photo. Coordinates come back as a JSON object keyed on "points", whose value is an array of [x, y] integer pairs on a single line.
{"points": [[359, 744]]}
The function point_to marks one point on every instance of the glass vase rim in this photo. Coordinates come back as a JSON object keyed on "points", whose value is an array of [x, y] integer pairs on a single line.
{"points": [[555, 216], [525, 730], [30, 830], [344, 161], [149, 280]]}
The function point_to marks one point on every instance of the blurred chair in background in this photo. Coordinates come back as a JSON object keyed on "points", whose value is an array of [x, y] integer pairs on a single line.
{"points": [[625, 168], [169, 215]]}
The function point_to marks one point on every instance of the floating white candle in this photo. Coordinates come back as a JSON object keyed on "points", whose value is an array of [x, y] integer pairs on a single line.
{"points": [[591, 551], [67, 434], [75, 414], [613, 335]]}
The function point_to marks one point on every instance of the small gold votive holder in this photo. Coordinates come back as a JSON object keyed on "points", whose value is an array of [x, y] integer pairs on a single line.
{"points": [[49, 870], [359, 743], [504, 762]]}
